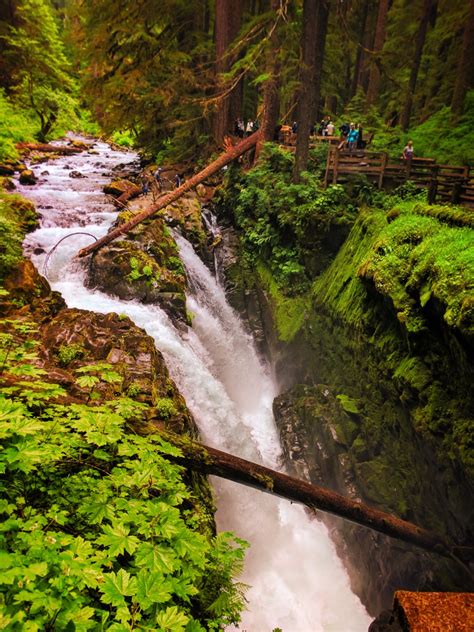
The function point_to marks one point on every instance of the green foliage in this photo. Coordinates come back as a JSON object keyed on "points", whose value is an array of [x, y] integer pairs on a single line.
{"points": [[41, 81], [123, 139], [417, 259], [348, 404], [69, 353], [17, 217], [96, 529], [165, 408], [284, 223], [15, 126], [446, 141]]}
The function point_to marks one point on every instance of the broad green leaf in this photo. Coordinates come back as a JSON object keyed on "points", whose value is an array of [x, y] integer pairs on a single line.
{"points": [[117, 586], [117, 539], [172, 620], [87, 381], [152, 588], [156, 558]]}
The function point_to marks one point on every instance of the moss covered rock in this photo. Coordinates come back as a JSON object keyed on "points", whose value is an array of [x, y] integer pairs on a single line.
{"points": [[145, 267], [118, 187]]}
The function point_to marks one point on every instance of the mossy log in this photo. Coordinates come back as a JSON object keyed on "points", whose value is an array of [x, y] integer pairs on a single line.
{"points": [[47, 148], [202, 458], [224, 159]]}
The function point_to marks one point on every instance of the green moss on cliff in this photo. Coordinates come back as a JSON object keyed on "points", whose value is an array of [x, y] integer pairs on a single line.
{"points": [[399, 296], [17, 217], [289, 312]]}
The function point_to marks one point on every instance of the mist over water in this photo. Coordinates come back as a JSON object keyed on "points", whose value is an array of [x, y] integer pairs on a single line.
{"points": [[297, 581]]}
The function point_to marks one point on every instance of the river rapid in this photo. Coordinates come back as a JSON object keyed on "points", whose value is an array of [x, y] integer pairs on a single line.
{"points": [[297, 582]]}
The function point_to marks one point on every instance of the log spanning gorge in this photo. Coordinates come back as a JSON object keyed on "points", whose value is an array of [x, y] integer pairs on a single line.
{"points": [[296, 580]]}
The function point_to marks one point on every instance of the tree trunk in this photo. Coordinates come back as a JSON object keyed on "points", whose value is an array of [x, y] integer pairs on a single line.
{"points": [[358, 59], [223, 160], [429, 6], [465, 69], [271, 91], [321, 32], [374, 77], [197, 456], [227, 25], [308, 71], [46, 147]]}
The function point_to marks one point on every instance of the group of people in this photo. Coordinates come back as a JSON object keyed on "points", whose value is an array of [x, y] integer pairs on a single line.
{"points": [[158, 180], [242, 129], [351, 136], [325, 128]]}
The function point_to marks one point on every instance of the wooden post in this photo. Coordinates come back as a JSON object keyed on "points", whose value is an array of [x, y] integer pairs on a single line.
{"points": [[457, 191], [223, 160], [433, 188], [382, 168], [328, 165], [335, 166]]}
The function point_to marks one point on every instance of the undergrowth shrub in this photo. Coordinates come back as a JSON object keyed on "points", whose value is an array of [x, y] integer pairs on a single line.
{"points": [[282, 223], [97, 528]]}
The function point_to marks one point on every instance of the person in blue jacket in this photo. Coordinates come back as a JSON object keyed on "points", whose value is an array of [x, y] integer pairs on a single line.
{"points": [[352, 137]]}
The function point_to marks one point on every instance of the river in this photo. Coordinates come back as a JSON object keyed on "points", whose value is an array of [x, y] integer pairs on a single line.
{"points": [[297, 582]]}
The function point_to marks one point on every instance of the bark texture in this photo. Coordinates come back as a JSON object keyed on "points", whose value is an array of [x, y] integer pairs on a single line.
{"points": [[429, 8], [374, 77], [307, 86], [197, 456], [465, 71]]}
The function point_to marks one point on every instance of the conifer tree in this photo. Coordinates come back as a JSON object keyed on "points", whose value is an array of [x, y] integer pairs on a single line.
{"points": [[465, 70], [35, 54]]}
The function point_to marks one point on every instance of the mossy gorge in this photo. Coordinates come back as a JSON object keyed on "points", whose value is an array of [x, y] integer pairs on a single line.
{"points": [[374, 355]]}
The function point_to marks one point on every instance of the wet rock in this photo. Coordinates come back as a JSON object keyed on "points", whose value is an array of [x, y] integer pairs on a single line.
{"points": [[45, 173], [7, 184], [146, 268], [79, 144], [324, 443], [26, 287], [76, 338], [76, 174], [6, 170], [119, 187], [28, 177]]}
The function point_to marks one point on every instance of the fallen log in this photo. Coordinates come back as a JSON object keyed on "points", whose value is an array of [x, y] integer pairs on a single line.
{"points": [[47, 148], [223, 160], [202, 458]]}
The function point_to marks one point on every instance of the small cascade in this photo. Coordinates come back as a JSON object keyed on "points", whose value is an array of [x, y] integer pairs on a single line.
{"points": [[296, 580]]}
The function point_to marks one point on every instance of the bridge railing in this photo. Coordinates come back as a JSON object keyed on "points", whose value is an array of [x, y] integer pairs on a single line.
{"points": [[445, 183]]}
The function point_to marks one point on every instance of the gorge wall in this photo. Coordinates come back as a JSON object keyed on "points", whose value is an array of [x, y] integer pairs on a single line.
{"points": [[375, 364]]}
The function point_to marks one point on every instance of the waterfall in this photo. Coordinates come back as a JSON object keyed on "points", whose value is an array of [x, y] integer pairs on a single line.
{"points": [[297, 582]]}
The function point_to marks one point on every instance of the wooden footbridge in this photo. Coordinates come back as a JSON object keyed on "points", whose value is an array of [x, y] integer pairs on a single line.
{"points": [[446, 184]]}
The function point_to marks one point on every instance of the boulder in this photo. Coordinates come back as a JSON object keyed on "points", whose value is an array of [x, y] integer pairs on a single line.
{"points": [[146, 268], [76, 174], [6, 170], [27, 176], [119, 187], [7, 184]]}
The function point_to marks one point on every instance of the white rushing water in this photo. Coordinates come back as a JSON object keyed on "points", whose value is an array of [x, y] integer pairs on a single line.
{"points": [[297, 581]]}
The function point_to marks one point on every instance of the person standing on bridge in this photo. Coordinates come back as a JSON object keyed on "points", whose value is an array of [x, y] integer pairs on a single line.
{"points": [[330, 128], [352, 137], [408, 151]]}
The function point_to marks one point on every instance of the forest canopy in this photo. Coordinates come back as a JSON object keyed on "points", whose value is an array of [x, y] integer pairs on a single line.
{"points": [[173, 77]]}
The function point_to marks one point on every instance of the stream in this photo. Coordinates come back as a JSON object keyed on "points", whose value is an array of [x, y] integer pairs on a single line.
{"points": [[297, 582]]}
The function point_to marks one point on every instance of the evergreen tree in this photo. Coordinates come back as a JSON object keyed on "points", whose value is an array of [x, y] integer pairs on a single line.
{"points": [[34, 53]]}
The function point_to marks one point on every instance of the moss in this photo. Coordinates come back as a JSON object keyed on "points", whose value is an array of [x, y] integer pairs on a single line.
{"points": [[17, 217], [289, 313], [413, 372], [348, 404]]}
